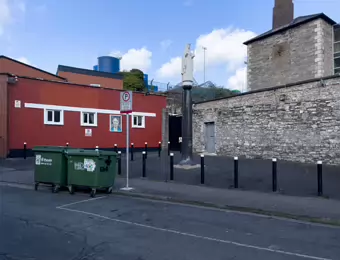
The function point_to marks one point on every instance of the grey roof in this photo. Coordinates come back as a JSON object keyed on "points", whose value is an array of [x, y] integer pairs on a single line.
{"points": [[296, 22], [89, 72]]}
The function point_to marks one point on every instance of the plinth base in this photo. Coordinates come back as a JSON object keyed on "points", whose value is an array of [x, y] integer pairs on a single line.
{"points": [[187, 164], [127, 188]]}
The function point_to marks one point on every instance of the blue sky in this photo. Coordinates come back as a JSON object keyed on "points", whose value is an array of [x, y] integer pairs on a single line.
{"points": [[150, 35]]}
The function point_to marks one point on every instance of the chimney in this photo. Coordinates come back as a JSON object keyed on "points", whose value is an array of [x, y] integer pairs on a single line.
{"points": [[283, 13]]}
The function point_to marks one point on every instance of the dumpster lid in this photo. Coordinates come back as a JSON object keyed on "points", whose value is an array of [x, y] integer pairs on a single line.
{"points": [[83, 152], [55, 149]]}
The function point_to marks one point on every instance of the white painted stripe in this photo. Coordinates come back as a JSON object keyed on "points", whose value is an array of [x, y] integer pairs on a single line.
{"points": [[198, 236], [81, 201], [84, 109]]}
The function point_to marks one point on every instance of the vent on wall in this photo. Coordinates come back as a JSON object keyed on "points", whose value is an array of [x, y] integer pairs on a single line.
{"points": [[95, 85]]}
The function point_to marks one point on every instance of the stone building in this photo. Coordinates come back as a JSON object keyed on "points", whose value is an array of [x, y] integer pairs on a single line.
{"points": [[294, 49], [292, 111]]}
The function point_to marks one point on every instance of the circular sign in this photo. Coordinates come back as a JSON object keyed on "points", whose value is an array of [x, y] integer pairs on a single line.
{"points": [[126, 96]]}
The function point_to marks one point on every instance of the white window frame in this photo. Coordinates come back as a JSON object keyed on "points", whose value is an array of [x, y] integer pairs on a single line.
{"points": [[95, 119], [137, 126], [46, 122]]}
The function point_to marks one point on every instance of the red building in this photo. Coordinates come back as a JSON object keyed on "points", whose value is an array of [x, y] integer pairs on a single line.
{"points": [[50, 112]]}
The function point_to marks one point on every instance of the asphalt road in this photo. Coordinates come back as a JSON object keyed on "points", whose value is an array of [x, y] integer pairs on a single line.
{"points": [[41, 225]]}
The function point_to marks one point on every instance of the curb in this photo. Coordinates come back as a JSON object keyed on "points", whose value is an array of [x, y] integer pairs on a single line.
{"points": [[277, 214]]}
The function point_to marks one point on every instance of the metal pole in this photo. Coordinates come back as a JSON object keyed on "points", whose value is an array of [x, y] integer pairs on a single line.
{"points": [[127, 150], [319, 171], [204, 49], [274, 174]]}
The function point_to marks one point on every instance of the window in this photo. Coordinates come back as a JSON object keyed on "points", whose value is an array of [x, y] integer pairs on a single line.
{"points": [[138, 121], [53, 117], [336, 48], [88, 119]]}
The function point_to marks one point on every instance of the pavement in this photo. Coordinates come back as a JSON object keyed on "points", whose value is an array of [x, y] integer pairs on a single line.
{"points": [[16, 172], [40, 225]]}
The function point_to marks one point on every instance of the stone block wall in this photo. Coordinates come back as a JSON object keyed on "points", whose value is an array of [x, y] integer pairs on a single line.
{"points": [[300, 53], [296, 123]]}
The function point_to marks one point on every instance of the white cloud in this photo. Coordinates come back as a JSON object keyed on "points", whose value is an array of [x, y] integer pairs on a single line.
{"points": [[134, 59], [238, 80], [166, 44], [24, 60], [5, 15], [225, 49]]}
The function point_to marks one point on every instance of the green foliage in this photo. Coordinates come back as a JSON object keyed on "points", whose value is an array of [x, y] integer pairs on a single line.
{"points": [[133, 80]]}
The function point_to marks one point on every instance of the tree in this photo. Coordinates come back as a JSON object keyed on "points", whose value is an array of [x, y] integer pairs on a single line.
{"points": [[133, 80]]}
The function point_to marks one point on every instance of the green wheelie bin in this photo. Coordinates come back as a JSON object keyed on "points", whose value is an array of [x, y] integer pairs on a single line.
{"points": [[50, 166], [93, 169]]}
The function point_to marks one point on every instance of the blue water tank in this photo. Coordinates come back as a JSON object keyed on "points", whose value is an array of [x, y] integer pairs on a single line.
{"points": [[109, 64], [95, 67], [146, 80]]}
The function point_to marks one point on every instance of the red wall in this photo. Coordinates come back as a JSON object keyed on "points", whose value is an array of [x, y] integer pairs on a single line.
{"points": [[88, 79], [27, 124]]}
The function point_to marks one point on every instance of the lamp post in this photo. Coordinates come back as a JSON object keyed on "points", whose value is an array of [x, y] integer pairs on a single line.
{"points": [[204, 49]]}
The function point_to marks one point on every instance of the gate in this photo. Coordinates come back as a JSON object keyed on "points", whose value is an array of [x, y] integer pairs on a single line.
{"points": [[175, 132]]}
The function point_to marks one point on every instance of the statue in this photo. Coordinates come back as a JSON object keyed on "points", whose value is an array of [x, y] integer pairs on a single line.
{"points": [[188, 67]]}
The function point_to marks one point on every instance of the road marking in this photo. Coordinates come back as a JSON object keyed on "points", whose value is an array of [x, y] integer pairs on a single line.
{"points": [[193, 235], [81, 201]]}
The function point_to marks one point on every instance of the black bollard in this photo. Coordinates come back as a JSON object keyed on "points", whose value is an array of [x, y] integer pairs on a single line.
{"points": [[168, 148], [320, 186], [171, 166], [202, 168], [144, 165], [67, 145], [132, 150], [274, 174], [119, 163], [159, 149], [25, 150], [236, 172], [146, 150], [97, 148], [116, 148]]}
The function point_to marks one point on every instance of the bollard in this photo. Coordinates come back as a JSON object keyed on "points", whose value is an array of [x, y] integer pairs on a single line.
{"points": [[202, 168], [168, 148], [131, 153], [116, 148], [144, 165], [66, 144], [119, 162], [236, 172], [146, 150], [25, 150], [97, 148], [274, 174], [159, 149], [171, 166], [320, 186]]}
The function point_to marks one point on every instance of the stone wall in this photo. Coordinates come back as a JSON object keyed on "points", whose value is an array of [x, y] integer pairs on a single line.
{"points": [[301, 53], [298, 123]]}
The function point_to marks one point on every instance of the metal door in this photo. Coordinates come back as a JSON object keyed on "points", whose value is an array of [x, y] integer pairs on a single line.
{"points": [[210, 137]]}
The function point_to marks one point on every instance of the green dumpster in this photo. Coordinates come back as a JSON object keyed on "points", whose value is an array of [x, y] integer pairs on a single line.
{"points": [[50, 166], [91, 168]]}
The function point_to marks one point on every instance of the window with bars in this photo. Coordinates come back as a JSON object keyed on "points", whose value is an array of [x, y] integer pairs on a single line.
{"points": [[337, 49], [53, 117], [138, 121], [88, 119]]}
